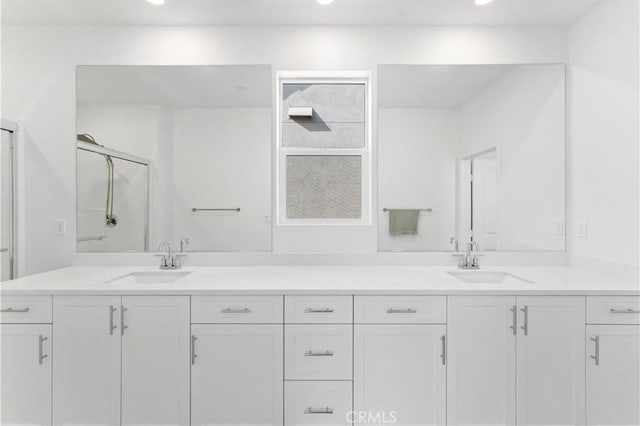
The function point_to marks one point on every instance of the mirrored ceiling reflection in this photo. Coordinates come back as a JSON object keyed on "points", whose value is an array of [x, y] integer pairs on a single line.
{"points": [[471, 153], [171, 153]]}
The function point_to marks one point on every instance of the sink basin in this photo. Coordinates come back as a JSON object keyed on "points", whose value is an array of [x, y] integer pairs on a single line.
{"points": [[486, 277], [160, 277]]}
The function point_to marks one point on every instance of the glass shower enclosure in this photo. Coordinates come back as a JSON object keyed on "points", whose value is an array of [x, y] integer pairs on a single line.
{"points": [[112, 199], [7, 203]]}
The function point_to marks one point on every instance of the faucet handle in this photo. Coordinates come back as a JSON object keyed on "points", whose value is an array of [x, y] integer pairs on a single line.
{"points": [[184, 241]]}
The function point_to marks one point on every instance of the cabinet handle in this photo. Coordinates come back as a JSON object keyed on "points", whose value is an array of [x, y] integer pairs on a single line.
{"points": [[15, 311], [193, 349], [112, 326], [401, 311], [624, 311], [325, 410], [514, 320], [123, 327], [318, 311], [41, 354], [325, 353], [525, 325], [596, 355], [443, 355], [236, 311]]}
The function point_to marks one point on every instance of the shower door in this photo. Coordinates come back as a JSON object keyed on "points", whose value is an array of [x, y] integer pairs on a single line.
{"points": [[7, 246]]}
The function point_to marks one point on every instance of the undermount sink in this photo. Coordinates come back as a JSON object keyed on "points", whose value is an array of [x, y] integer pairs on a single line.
{"points": [[160, 277], [486, 277]]}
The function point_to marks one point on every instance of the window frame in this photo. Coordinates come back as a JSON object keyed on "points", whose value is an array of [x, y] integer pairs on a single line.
{"points": [[365, 153]]}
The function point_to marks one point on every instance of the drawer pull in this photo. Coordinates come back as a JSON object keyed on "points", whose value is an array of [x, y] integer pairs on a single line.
{"points": [[325, 353], [318, 311], [624, 311], [236, 311], [325, 410], [401, 311], [15, 311]]}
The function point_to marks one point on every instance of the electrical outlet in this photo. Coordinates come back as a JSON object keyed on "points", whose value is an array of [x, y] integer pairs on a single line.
{"points": [[61, 227], [582, 230]]}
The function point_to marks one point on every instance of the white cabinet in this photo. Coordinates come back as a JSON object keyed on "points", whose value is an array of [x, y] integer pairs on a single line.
{"points": [[318, 403], [535, 342], [26, 374], [155, 360], [400, 374], [121, 360], [550, 360], [86, 348], [237, 374], [482, 360], [613, 375]]}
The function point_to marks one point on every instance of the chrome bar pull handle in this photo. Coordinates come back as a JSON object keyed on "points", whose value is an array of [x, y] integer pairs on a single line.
{"points": [[525, 325], [193, 349], [624, 311], [318, 311], [123, 326], [41, 354], [443, 355], [112, 326], [514, 320], [312, 353], [236, 311], [401, 311], [15, 311], [596, 355], [325, 410]]}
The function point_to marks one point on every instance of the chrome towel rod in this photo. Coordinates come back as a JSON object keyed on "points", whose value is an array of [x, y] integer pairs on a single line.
{"points": [[422, 210], [93, 238], [237, 209]]}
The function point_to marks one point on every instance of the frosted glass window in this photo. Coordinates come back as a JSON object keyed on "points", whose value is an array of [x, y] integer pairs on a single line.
{"points": [[324, 186]]}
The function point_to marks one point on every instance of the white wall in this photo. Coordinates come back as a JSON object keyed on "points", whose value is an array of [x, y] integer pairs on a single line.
{"points": [[38, 81], [604, 137], [523, 115], [417, 169]]}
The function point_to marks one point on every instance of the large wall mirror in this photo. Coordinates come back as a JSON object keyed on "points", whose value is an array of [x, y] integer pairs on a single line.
{"points": [[471, 153], [167, 153]]}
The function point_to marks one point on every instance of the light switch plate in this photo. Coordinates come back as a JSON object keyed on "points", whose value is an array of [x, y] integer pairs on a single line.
{"points": [[582, 230], [61, 227]]}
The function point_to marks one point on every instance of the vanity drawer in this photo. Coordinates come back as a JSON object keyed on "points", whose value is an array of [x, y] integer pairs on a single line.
{"points": [[317, 403], [236, 309], [613, 310], [331, 103], [318, 352], [26, 309], [400, 309], [318, 309]]}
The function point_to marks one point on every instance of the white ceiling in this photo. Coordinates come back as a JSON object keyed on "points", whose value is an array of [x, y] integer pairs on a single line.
{"points": [[294, 12], [246, 86], [434, 86]]}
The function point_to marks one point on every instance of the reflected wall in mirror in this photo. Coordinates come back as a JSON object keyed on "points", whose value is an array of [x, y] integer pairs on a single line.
{"points": [[156, 142], [479, 149]]}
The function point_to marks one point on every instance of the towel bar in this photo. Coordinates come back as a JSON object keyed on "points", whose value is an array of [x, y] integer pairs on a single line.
{"points": [[237, 209], [422, 210]]}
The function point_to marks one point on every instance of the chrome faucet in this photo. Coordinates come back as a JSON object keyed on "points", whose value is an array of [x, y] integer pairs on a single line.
{"points": [[169, 260], [469, 260]]}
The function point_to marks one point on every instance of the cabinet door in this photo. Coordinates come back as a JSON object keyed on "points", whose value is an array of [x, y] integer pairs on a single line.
{"points": [[550, 359], [613, 375], [155, 360], [86, 361], [237, 374], [400, 374], [482, 352], [26, 374]]}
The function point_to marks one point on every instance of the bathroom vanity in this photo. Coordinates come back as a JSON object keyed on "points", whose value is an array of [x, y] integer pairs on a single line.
{"points": [[320, 345]]}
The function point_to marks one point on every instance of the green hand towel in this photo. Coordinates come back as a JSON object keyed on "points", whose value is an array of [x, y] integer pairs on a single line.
{"points": [[403, 221]]}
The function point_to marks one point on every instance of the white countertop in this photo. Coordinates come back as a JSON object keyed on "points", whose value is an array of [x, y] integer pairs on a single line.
{"points": [[256, 280]]}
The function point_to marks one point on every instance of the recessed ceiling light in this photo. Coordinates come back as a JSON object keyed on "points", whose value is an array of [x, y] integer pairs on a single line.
{"points": [[156, 2], [324, 2], [483, 2]]}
